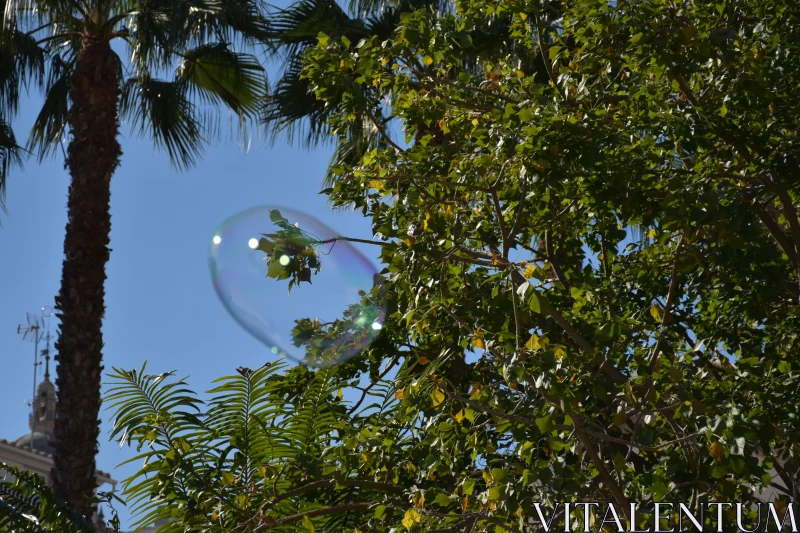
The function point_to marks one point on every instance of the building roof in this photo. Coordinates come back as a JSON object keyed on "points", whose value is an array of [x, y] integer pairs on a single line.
{"points": [[24, 445]]}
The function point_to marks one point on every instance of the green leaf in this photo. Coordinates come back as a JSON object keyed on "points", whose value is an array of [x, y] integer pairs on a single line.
{"points": [[525, 114], [545, 423], [442, 500], [308, 524], [468, 487], [537, 302]]}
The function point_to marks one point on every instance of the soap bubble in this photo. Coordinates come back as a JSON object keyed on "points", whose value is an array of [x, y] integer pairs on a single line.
{"points": [[47, 311], [286, 279]]}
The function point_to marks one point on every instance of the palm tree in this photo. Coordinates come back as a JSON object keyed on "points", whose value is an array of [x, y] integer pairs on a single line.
{"points": [[65, 48]]}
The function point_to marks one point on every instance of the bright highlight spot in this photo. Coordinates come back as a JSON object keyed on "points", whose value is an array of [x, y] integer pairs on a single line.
{"points": [[376, 326], [284, 260], [217, 239], [252, 243]]}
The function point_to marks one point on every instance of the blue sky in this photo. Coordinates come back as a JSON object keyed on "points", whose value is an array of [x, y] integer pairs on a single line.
{"points": [[161, 306]]}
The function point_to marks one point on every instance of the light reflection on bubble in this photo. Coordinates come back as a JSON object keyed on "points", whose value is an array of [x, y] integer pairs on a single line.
{"points": [[265, 307]]}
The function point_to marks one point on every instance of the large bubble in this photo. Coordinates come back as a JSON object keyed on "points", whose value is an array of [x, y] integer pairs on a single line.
{"points": [[292, 284]]}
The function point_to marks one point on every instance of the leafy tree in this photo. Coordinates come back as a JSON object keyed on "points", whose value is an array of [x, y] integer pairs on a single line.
{"points": [[591, 280], [64, 48], [293, 110]]}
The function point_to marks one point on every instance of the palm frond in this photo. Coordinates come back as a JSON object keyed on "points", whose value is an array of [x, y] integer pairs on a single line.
{"points": [[161, 414], [294, 28], [313, 421], [10, 155], [241, 409], [27, 505], [162, 110], [22, 63], [293, 110], [50, 125], [218, 75]]}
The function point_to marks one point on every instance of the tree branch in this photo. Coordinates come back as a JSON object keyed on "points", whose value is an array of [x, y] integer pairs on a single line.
{"points": [[789, 212], [269, 523], [673, 289]]}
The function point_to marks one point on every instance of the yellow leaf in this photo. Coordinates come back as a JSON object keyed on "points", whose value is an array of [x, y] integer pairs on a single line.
{"points": [[384, 61], [262, 470], [717, 451], [421, 502], [559, 352], [487, 477], [241, 499], [475, 393], [651, 233], [655, 312], [529, 271], [464, 504], [424, 360], [437, 397], [377, 185], [520, 74], [427, 61], [543, 342], [533, 342], [523, 16], [214, 515], [400, 393], [474, 121], [227, 478], [408, 241], [376, 82], [442, 124], [425, 222], [339, 394], [478, 342], [460, 416], [308, 524], [410, 518]]}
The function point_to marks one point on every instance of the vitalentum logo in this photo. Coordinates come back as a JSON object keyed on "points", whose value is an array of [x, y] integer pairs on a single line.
{"points": [[663, 517]]}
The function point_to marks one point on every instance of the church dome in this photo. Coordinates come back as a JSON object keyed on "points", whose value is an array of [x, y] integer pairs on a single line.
{"points": [[41, 442], [46, 388]]}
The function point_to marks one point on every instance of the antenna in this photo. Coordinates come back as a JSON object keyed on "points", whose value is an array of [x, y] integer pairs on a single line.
{"points": [[32, 332]]}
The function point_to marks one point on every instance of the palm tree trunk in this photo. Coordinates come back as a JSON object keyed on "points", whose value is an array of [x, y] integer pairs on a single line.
{"points": [[93, 155]]}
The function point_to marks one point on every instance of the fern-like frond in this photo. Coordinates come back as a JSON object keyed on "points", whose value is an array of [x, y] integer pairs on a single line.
{"points": [[27, 505]]}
